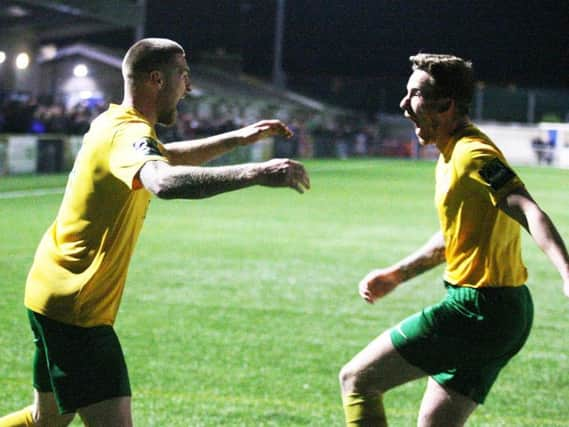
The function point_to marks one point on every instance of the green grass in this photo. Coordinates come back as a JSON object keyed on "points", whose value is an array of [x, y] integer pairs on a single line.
{"points": [[240, 310]]}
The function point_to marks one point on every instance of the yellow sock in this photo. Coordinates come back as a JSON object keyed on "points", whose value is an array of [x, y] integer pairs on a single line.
{"points": [[363, 411], [22, 418]]}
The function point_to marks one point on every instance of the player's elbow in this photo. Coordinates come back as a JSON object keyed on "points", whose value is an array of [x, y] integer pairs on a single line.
{"points": [[162, 191], [164, 187]]}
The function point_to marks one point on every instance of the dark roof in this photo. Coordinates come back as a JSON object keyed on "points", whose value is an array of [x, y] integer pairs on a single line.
{"points": [[45, 20], [103, 54]]}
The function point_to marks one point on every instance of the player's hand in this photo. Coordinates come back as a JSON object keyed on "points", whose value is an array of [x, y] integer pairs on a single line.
{"points": [[283, 173], [260, 130], [378, 283]]}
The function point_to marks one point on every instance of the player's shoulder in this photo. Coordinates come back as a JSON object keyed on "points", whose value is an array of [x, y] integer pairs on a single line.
{"points": [[139, 135], [473, 143], [134, 129], [130, 128], [117, 116]]}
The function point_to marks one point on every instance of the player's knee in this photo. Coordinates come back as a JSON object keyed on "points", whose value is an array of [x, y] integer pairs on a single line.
{"points": [[344, 377], [360, 379], [350, 378]]}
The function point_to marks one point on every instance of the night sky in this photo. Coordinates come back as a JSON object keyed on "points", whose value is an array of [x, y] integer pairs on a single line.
{"points": [[522, 42]]}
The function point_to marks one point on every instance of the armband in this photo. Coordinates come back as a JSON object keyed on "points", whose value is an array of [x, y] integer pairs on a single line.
{"points": [[496, 173]]}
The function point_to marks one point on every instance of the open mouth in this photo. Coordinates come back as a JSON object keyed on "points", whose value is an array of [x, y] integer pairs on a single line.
{"points": [[409, 115], [418, 129], [412, 118]]}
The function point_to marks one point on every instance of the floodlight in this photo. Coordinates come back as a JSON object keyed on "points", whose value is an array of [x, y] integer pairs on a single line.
{"points": [[80, 70], [22, 61], [48, 52]]}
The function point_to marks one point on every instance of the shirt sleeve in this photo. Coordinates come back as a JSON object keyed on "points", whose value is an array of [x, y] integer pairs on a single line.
{"points": [[133, 145], [489, 171]]}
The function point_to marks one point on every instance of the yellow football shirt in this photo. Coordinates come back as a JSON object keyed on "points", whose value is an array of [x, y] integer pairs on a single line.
{"points": [[80, 266], [483, 244]]}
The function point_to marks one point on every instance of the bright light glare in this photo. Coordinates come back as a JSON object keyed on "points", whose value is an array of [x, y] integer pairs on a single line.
{"points": [[80, 70], [85, 94], [22, 61], [48, 52], [2, 56]]}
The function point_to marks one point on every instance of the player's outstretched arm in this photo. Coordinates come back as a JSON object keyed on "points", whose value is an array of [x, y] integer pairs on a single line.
{"points": [[194, 182], [378, 283], [199, 151], [520, 206]]}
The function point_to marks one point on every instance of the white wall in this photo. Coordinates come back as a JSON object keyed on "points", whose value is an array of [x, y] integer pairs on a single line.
{"points": [[515, 141], [21, 154]]}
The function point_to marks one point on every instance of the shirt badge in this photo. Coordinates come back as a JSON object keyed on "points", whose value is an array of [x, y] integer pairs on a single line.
{"points": [[147, 147]]}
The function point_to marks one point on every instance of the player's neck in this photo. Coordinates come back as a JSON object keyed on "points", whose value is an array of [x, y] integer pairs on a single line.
{"points": [[460, 124], [449, 131], [141, 105]]}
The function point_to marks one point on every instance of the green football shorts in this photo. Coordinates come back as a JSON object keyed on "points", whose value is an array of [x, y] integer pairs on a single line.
{"points": [[465, 340], [81, 366]]}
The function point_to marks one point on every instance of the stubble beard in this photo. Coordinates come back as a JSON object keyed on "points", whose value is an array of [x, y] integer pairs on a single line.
{"points": [[168, 118]]}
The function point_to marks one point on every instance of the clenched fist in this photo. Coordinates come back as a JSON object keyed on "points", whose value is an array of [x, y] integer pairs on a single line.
{"points": [[378, 283]]}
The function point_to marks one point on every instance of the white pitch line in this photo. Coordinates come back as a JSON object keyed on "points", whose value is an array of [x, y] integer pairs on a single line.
{"points": [[343, 168], [31, 193]]}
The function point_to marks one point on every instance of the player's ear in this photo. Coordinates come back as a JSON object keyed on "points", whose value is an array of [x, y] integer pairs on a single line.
{"points": [[157, 78]]}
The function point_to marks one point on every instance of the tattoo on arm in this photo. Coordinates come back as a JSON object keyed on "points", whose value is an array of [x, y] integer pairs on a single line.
{"points": [[418, 265], [428, 256], [206, 182], [189, 182]]}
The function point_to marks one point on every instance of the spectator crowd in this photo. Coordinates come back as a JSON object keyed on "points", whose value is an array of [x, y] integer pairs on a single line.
{"points": [[316, 133]]}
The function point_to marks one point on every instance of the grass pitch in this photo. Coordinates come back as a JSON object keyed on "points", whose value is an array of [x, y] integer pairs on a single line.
{"points": [[239, 310]]}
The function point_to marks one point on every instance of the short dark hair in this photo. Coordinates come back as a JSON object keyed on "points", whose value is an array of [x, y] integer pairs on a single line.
{"points": [[453, 77], [149, 54]]}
